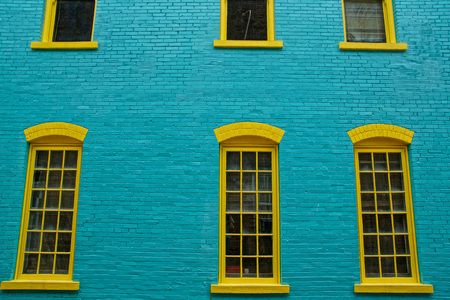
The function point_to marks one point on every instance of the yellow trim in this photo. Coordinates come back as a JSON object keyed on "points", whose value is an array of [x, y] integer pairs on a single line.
{"points": [[64, 45], [394, 288], [55, 129], [389, 25], [40, 285], [269, 43], [249, 129], [249, 289], [381, 131], [373, 46]]}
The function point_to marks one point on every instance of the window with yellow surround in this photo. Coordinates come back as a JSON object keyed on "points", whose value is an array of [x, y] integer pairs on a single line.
{"points": [[249, 213], [369, 25], [47, 238], [68, 24], [385, 211], [247, 24]]}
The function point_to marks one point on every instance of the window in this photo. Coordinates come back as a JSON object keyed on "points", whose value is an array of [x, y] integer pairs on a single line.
{"points": [[249, 217], [47, 238], [369, 25], [247, 24], [385, 211], [68, 24]]}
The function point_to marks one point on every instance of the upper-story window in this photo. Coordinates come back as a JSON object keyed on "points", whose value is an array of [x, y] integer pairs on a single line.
{"points": [[369, 25], [68, 24], [247, 24]]}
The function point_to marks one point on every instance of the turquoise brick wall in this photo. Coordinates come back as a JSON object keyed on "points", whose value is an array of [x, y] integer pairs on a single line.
{"points": [[151, 96]]}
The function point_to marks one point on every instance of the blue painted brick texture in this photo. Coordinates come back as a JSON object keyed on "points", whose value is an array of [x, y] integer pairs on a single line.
{"points": [[151, 96]]}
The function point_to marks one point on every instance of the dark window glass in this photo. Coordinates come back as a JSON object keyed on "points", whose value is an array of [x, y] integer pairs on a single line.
{"points": [[364, 21], [247, 20], [74, 20]]}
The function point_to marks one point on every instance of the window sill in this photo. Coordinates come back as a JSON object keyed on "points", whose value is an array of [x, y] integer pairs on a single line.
{"points": [[64, 45], [394, 288], [55, 285], [247, 44], [373, 46], [249, 289]]}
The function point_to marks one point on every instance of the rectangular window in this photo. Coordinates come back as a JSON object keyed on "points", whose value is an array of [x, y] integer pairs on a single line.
{"points": [[68, 24]]}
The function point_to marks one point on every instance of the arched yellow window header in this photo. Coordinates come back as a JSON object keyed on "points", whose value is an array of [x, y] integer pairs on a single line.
{"points": [[60, 129], [362, 133], [230, 131]]}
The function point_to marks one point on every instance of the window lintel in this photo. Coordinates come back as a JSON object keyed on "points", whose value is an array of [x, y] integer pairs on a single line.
{"points": [[46, 132]]}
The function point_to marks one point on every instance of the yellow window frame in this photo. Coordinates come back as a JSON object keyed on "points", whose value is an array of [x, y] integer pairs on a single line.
{"points": [[389, 24], [269, 43], [381, 138], [55, 136], [47, 42]]}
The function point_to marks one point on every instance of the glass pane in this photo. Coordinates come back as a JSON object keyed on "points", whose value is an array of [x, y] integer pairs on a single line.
{"points": [[265, 223], [247, 20], [39, 179], [369, 223], [233, 202], [264, 161], [367, 202], [233, 245], [400, 225], [265, 245], [56, 158], [364, 20], [383, 202], [265, 202], [249, 245], [395, 162], [249, 181], [37, 200], [380, 161], [265, 182], [366, 182], [30, 263], [54, 179], [398, 202], [33, 241], [41, 160], [69, 179], [70, 161], [233, 224], [35, 221], [249, 202], [67, 198], [384, 223], [52, 200], [382, 182], [397, 182], [65, 220], [403, 267], [372, 267], [365, 161], [248, 160], [249, 267], [233, 181], [46, 264], [370, 245], [64, 240], [401, 244], [62, 264], [265, 267], [233, 267], [249, 223], [233, 161], [50, 220], [387, 267], [48, 242], [386, 245], [74, 20]]}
